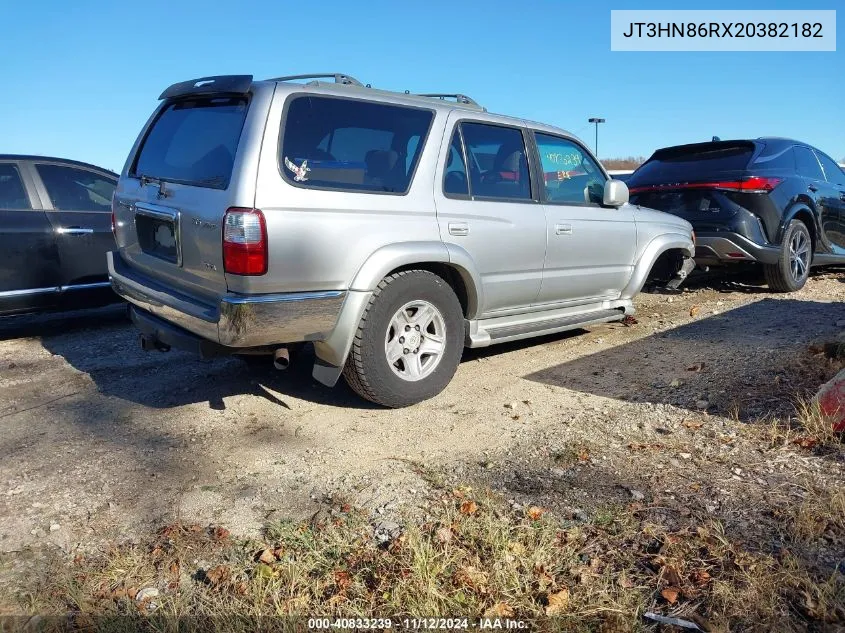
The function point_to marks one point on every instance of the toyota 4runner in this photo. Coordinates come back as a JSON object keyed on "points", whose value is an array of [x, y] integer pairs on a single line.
{"points": [[389, 229]]}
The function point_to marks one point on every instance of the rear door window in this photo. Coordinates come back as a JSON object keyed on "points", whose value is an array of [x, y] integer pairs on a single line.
{"points": [[72, 189], [352, 145], [12, 192], [832, 172], [194, 142], [808, 166], [498, 163]]}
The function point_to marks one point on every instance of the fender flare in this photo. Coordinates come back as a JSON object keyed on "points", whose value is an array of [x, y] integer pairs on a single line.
{"points": [[332, 352], [649, 255], [404, 254]]}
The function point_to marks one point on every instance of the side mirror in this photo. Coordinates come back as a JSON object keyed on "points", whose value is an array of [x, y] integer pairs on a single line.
{"points": [[615, 193]]}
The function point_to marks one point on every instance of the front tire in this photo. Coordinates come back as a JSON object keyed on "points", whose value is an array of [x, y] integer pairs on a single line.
{"points": [[409, 342], [792, 269]]}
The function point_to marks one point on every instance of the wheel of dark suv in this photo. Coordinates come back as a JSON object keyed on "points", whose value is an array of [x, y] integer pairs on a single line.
{"points": [[793, 267], [409, 341]]}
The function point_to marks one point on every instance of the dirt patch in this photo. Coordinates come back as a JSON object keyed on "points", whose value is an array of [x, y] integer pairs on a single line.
{"points": [[102, 441]]}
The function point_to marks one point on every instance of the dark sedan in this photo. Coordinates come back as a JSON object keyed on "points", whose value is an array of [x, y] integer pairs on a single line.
{"points": [[774, 201], [55, 230]]}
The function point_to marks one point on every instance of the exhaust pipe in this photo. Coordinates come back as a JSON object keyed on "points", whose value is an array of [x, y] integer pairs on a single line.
{"points": [[281, 358]]}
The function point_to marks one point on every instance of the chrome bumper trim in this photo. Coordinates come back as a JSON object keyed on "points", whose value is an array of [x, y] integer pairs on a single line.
{"points": [[236, 320]]}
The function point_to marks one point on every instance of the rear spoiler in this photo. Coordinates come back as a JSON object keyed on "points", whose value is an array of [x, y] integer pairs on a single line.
{"points": [[700, 148], [220, 84]]}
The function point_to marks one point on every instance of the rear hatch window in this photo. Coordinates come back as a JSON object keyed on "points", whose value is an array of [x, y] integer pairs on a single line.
{"points": [[693, 163], [193, 142]]}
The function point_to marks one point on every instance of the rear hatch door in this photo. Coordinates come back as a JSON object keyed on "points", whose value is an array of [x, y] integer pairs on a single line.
{"points": [[692, 181], [183, 177]]}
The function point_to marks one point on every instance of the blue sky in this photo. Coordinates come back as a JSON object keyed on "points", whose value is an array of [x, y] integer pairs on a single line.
{"points": [[80, 82]]}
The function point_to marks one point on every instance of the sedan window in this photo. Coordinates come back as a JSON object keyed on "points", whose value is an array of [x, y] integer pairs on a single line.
{"points": [[73, 189], [12, 193]]}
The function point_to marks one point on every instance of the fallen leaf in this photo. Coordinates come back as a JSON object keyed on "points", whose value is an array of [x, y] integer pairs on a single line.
{"points": [[174, 568], [278, 553], [195, 528], [342, 579], [693, 425], [805, 442], [471, 577], [626, 583], [444, 534], [694, 311], [535, 512], [583, 454], [469, 507], [220, 534], [218, 575], [671, 575], [696, 367], [263, 571], [629, 321], [558, 601], [670, 594], [700, 577], [267, 557], [345, 508], [499, 610], [241, 588]]}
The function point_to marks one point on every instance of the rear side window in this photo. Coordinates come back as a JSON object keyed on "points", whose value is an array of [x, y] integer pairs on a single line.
{"points": [[808, 166], [775, 158], [693, 163], [12, 193], [498, 165], [832, 172], [72, 189], [455, 177], [194, 142], [352, 145]]}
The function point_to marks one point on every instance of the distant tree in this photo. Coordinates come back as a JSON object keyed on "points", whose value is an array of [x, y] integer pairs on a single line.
{"points": [[631, 162]]}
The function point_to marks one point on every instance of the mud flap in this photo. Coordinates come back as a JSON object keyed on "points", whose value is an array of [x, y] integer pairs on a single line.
{"points": [[686, 268]]}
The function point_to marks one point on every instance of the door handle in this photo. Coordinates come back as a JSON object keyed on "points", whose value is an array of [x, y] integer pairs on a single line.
{"points": [[812, 188], [74, 230], [563, 229], [458, 228]]}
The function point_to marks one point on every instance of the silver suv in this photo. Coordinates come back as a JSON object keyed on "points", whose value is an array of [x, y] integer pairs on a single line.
{"points": [[388, 229]]}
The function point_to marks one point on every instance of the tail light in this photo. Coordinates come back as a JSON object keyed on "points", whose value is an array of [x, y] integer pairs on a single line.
{"points": [[752, 184], [244, 242]]}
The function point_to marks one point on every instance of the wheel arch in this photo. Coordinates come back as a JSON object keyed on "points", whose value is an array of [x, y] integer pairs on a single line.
{"points": [[806, 215], [661, 244]]}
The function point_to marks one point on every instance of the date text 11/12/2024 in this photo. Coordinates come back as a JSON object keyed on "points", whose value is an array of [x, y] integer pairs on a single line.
{"points": [[377, 624]]}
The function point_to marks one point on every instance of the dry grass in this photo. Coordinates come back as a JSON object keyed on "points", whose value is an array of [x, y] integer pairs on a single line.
{"points": [[474, 558], [810, 428]]}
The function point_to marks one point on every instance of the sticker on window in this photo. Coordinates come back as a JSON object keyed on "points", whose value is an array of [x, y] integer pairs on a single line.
{"points": [[300, 174]]}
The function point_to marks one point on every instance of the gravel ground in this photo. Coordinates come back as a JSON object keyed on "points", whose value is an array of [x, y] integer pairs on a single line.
{"points": [[101, 440]]}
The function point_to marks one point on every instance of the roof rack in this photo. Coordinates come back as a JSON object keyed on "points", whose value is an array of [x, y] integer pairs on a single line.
{"points": [[458, 97], [339, 78]]}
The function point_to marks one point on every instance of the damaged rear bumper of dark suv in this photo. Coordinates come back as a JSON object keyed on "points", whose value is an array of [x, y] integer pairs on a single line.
{"points": [[714, 248]]}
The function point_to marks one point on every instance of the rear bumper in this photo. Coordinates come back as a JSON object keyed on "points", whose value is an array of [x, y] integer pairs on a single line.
{"points": [[726, 247], [238, 321]]}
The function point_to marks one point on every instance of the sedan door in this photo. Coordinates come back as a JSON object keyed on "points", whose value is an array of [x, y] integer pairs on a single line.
{"points": [[591, 248], [29, 263], [79, 209], [486, 208]]}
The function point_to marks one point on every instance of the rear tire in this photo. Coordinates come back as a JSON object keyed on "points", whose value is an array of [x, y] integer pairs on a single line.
{"points": [[409, 342], [792, 269]]}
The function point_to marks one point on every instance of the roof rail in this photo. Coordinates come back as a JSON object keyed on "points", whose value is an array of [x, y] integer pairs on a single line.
{"points": [[339, 78], [458, 97]]}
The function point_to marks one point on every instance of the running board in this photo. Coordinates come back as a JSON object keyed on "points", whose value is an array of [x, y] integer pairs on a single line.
{"points": [[503, 329]]}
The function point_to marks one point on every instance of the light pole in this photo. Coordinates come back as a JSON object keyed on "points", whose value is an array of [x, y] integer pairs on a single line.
{"points": [[596, 121]]}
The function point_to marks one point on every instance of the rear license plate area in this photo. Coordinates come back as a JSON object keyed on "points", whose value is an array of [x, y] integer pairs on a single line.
{"points": [[158, 236]]}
